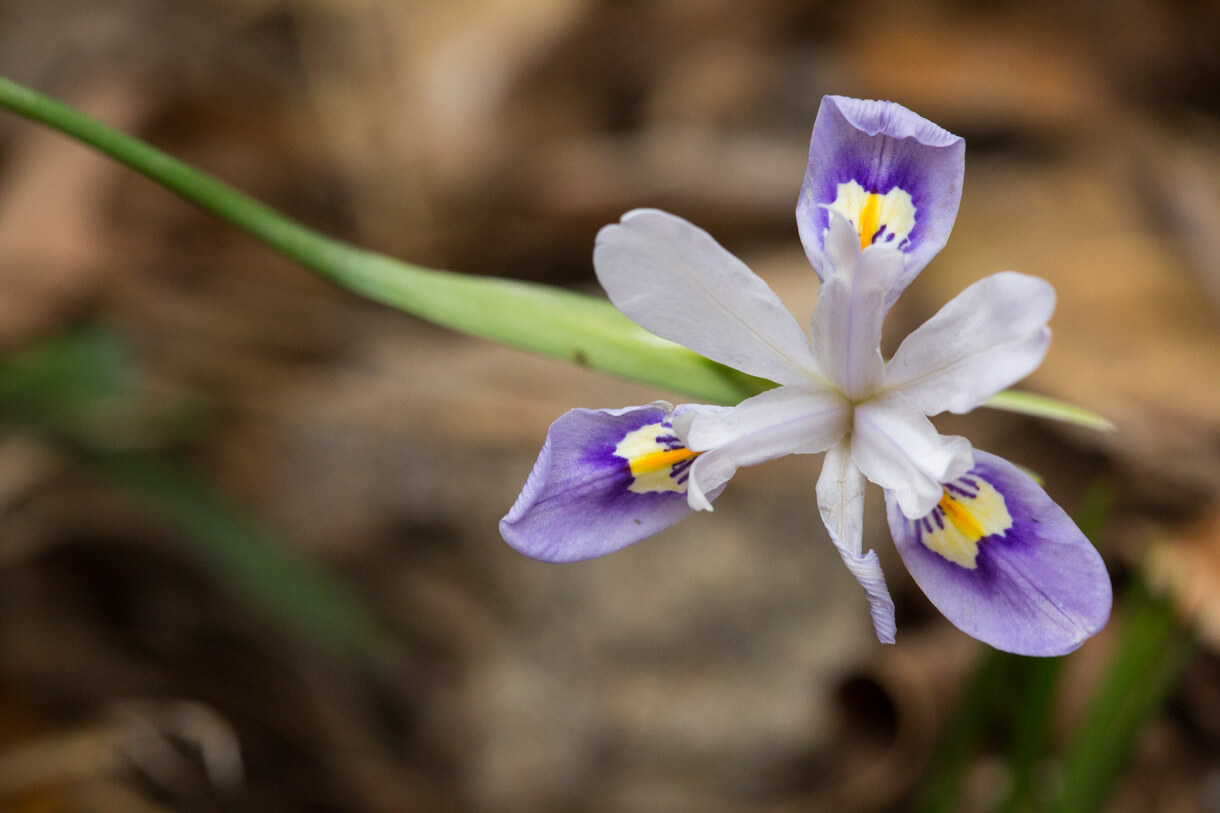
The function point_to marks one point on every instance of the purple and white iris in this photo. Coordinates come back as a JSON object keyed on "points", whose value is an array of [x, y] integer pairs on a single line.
{"points": [[991, 550]]}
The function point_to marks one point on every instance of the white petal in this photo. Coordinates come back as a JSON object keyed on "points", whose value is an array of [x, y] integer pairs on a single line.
{"points": [[671, 278], [988, 337], [841, 503], [842, 244], [852, 304], [710, 471], [803, 419], [786, 420], [899, 449]]}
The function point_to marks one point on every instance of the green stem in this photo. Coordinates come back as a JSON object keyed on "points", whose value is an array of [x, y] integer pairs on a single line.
{"points": [[579, 328], [548, 320], [1039, 406]]}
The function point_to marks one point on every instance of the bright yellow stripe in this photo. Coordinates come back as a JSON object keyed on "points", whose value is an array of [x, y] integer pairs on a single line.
{"points": [[960, 516], [870, 220], [656, 461]]}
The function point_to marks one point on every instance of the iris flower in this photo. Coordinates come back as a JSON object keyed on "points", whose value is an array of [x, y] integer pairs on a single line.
{"points": [[986, 544]]}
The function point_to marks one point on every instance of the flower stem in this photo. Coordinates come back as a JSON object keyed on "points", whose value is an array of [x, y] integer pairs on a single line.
{"points": [[544, 319], [582, 329]]}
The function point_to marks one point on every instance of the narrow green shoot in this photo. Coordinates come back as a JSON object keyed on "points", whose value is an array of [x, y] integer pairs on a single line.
{"points": [[578, 328], [1152, 652]]}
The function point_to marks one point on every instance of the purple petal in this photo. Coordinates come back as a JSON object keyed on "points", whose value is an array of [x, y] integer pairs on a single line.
{"points": [[912, 167], [1004, 563], [582, 500]]}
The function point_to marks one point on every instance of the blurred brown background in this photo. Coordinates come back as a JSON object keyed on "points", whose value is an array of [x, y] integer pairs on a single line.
{"points": [[729, 664]]}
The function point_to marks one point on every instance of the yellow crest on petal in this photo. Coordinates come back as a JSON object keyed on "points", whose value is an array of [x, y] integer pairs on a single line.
{"points": [[969, 510], [657, 459], [887, 218]]}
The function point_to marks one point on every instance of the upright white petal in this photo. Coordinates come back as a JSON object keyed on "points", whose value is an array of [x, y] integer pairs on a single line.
{"points": [[671, 278], [843, 247], [841, 503], [846, 324], [900, 450], [985, 339], [786, 420]]}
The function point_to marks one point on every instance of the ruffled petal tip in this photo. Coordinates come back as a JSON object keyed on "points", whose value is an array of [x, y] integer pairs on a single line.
{"points": [[867, 570], [605, 478], [840, 492], [1004, 563]]}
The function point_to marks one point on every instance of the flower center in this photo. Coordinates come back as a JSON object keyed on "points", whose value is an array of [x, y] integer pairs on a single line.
{"points": [[970, 509], [870, 221], [878, 218], [656, 459]]}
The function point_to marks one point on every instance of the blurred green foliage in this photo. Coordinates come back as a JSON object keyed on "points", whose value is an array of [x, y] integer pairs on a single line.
{"points": [[75, 390]]}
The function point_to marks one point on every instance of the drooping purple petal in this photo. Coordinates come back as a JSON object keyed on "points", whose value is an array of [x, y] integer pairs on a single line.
{"points": [[582, 499], [1004, 563], [894, 174]]}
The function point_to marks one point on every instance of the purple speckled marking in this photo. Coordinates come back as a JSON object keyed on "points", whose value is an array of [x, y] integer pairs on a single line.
{"points": [[680, 471], [1021, 536], [668, 442], [963, 487]]}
